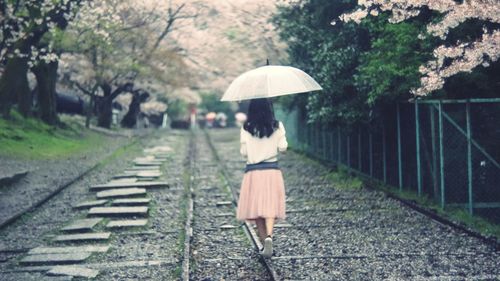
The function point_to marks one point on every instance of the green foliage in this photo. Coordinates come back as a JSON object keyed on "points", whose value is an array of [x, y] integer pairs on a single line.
{"points": [[328, 53], [177, 109], [341, 179], [367, 67], [31, 138], [389, 69], [211, 102]]}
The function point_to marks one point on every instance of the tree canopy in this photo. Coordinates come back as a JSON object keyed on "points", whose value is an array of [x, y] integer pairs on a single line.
{"points": [[367, 56]]}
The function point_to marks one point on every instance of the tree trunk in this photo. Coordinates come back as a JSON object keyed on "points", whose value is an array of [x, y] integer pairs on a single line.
{"points": [[104, 107], [46, 77], [104, 111], [90, 110], [130, 119], [14, 87]]}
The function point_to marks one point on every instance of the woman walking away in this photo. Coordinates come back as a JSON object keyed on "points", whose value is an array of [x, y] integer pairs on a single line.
{"points": [[262, 194]]}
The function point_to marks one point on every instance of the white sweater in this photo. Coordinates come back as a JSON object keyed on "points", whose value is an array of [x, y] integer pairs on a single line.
{"points": [[263, 149]]}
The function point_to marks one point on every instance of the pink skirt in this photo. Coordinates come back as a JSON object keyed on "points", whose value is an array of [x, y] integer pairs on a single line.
{"points": [[262, 195]]}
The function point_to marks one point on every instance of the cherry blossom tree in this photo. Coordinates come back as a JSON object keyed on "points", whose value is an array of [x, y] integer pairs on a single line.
{"points": [[25, 43], [448, 60], [121, 43]]}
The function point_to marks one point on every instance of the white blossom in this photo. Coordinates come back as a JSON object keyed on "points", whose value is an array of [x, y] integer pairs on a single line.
{"points": [[464, 56]]}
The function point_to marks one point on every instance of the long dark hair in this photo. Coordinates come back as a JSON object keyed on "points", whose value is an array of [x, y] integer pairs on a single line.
{"points": [[260, 119]]}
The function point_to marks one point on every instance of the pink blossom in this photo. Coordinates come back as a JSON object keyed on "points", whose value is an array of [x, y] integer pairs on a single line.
{"points": [[464, 56]]}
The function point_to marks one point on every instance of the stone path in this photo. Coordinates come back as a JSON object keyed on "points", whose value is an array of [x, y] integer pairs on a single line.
{"points": [[132, 230]]}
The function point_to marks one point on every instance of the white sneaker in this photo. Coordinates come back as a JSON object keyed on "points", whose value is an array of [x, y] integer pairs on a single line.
{"points": [[268, 247]]}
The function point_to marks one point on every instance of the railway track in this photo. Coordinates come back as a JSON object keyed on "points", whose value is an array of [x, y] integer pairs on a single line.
{"points": [[216, 245], [232, 188]]}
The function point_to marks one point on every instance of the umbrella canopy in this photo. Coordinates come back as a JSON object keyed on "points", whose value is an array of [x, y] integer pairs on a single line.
{"points": [[240, 116], [210, 115], [270, 81]]}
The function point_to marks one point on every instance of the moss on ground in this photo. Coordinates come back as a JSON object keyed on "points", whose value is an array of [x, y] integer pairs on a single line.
{"points": [[29, 138]]}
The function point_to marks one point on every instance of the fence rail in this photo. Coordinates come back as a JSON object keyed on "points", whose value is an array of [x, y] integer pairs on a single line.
{"points": [[446, 150]]}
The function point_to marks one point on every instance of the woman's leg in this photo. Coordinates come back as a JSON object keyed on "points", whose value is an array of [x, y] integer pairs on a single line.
{"points": [[268, 242], [269, 226], [261, 229]]}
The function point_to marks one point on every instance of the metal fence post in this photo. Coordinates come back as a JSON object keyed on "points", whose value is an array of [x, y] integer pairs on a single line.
{"points": [[349, 150], [384, 156], [469, 158], [339, 144], [323, 135], [441, 153], [400, 169], [434, 152], [359, 150], [317, 137], [310, 138], [370, 143], [417, 139], [331, 150]]}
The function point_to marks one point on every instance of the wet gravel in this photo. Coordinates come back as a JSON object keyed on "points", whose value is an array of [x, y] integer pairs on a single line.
{"points": [[140, 253], [345, 234], [46, 176]]}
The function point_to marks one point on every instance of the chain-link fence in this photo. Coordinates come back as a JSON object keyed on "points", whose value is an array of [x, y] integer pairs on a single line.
{"points": [[448, 150]]}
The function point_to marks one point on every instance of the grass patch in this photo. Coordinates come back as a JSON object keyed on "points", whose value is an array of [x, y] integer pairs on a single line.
{"points": [[454, 214], [343, 180], [29, 138]]}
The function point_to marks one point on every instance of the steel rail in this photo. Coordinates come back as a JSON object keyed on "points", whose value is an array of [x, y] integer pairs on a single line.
{"points": [[251, 234], [189, 208]]}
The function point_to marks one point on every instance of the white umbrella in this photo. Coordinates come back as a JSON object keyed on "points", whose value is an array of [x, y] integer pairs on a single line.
{"points": [[270, 81]]}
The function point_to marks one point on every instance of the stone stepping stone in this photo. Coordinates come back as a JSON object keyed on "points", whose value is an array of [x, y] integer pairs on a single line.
{"points": [[224, 203], [97, 236], [92, 203], [124, 185], [55, 258], [67, 250], [126, 223], [82, 225], [145, 158], [133, 173], [225, 215], [119, 211], [138, 174], [158, 149], [75, 271], [131, 201], [148, 163], [148, 174], [128, 179], [145, 168], [124, 177], [122, 192]]}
